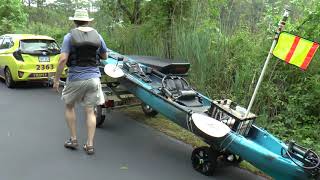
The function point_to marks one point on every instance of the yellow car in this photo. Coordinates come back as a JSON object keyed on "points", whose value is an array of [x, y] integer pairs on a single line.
{"points": [[25, 57]]}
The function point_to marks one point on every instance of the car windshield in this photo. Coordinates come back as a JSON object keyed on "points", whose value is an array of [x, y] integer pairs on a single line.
{"points": [[34, 45]]}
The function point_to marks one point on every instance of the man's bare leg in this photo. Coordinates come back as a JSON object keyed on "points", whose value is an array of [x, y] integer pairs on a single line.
{"points": [[71, 120], [91, 124]]}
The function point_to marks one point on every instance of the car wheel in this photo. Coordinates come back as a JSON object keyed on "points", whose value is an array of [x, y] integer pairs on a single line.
{"points": [[100, 117], [148, 110], [8, 79]]}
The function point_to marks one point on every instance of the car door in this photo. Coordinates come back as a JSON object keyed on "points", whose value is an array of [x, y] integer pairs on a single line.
{"points": [[1, 58], [5, 53]]}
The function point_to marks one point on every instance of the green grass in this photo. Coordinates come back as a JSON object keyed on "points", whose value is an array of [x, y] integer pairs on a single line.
{"points": [[161, 124], [171, 129]]}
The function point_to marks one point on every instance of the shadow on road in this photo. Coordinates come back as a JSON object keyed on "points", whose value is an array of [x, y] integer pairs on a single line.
{"points": [[29, 85]]}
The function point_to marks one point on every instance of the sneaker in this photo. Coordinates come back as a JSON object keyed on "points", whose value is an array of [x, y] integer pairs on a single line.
{"points": [[71, 144], [89, 149]]}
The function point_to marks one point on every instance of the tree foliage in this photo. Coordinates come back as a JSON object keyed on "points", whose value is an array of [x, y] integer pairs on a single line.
{"points": [[12, 16]]}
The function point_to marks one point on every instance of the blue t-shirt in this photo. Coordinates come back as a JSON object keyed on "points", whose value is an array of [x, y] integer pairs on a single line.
{"points": [[78, 72]]}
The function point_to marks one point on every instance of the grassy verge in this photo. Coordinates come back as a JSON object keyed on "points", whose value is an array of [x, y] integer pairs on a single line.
{"points": [[171, 129]]}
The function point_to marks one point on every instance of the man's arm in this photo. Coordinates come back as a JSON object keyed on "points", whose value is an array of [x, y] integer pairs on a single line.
{"points": [[65, 50], [103, 49], [62, 62]]}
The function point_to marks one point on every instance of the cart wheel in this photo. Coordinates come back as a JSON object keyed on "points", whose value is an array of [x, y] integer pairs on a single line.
{"points": [[99, 116], [148, 111], [232, 159], [204, 160]]}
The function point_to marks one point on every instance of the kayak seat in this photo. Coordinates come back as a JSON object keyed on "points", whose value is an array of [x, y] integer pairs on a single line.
{"points": [[179, 90]]}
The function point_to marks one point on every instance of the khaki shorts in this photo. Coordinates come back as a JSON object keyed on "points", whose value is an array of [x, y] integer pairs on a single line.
{"points": [[86, 92]]}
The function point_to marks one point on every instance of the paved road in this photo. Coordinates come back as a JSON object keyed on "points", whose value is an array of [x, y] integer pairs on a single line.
{"points": [[33, 130]]}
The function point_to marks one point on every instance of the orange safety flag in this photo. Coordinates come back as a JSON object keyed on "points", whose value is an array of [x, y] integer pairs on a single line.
{"points": [[295, 50]]}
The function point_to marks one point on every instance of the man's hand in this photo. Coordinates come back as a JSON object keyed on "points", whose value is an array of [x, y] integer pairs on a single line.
{"points": [[103, 56], [56, 85]]}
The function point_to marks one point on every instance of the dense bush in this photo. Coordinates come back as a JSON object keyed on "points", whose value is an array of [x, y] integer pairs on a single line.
{"points": [[227, 58]]}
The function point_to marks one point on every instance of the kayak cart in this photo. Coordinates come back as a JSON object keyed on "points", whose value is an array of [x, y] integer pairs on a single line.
{"points": [[116, 97]]}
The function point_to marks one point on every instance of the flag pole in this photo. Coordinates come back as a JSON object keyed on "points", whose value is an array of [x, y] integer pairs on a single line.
{"points": [[282, 23]]}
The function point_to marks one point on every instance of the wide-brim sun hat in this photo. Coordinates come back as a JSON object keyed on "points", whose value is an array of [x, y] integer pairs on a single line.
{"points": [[81, 15]]}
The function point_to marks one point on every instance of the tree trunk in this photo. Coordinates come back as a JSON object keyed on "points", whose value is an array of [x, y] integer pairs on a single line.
{"points": [[169, 33], [136, 12]]}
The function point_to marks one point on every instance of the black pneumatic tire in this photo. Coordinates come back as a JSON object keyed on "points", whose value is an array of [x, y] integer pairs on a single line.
{"points": [[8, 78], [99, 116], [148, 110], [204, 160]]}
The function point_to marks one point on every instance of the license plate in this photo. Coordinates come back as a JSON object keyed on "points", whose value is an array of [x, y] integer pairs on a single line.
{"points": [[37, 75], [44, 59], [43, 67]]}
